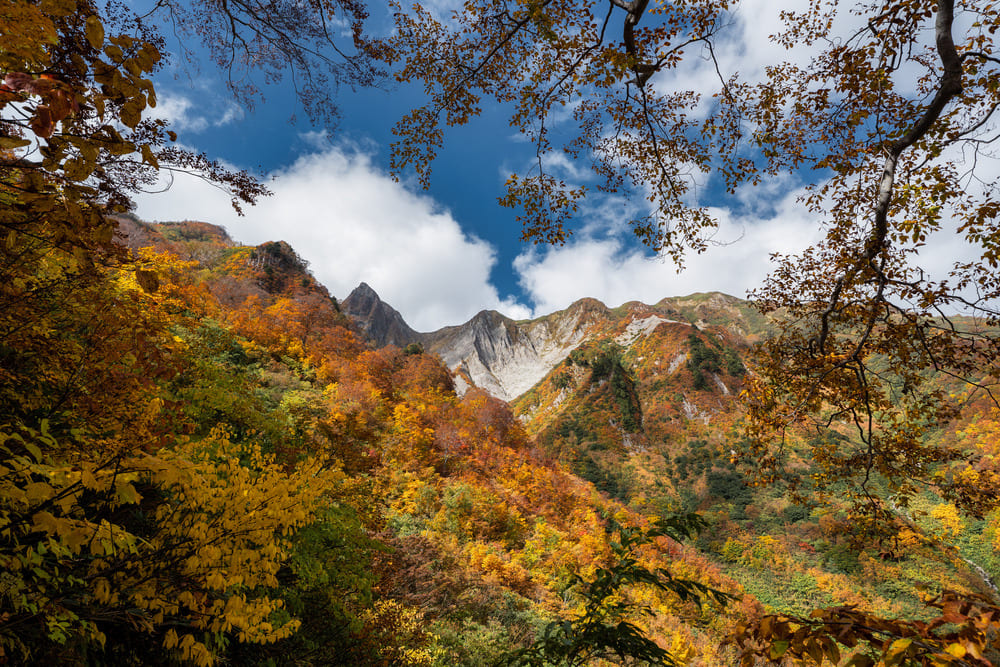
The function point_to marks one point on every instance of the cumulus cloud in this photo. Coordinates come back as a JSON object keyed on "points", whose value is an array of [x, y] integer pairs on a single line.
{"points": [[605, 268], [353, 223]]}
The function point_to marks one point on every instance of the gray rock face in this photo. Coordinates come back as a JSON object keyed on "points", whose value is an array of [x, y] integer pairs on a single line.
{"points": [[379, 321], [493, 352], [507, 358]]}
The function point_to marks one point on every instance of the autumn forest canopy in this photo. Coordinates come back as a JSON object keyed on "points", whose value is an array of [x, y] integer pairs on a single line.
{"points": [[205, 460]]}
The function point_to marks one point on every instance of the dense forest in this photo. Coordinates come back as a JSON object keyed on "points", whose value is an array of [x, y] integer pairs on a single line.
{"points": [[203, 462]]}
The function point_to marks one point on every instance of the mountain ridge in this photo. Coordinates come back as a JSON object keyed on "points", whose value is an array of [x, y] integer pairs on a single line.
{"points": [[507, 357]]}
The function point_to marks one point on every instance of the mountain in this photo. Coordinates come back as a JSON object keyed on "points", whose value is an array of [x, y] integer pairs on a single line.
{"points": [[621, 396], [490, 351], [507, 357], [379, 322], [647, 387], [408, 520], [449, 521]]}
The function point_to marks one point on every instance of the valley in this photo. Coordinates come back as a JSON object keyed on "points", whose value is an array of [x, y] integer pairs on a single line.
{"points": [[487, 463]]}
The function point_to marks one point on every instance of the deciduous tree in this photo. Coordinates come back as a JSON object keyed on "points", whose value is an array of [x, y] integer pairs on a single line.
{"points": [[118, 535]]}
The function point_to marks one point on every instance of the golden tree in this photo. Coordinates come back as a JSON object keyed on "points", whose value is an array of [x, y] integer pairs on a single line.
{"points": [[119, 536]]}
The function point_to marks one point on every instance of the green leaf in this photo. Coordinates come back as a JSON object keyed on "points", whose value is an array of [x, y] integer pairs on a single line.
{"points": [[779, 648]]}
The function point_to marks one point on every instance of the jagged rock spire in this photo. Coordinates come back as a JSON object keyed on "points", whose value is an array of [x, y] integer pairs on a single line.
{"points": [[379, 321]]}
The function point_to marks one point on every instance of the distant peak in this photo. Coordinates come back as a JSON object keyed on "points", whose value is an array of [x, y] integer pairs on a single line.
{"points": [[365, 291], [587, 303], [489, 316], [380, 322]]}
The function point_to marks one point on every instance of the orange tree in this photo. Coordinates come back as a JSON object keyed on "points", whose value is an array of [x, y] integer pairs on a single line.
{"points": [[121, 538]]}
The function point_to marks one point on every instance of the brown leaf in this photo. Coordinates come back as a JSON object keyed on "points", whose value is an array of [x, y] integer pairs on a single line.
{"points": [[42, 123]]}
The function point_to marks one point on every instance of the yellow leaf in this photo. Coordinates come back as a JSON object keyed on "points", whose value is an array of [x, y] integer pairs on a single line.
{"points": [[76, 538], [45, 522], [95, 31], [10, 143], [778, 649], [148, 157], [127, 494], [131, 112], [88, 480], [896, 650], [956, 650], [38, 491]]}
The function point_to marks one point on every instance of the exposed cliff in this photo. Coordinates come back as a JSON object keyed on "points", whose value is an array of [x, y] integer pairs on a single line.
{"points": [[507, 357], [379, 322]]}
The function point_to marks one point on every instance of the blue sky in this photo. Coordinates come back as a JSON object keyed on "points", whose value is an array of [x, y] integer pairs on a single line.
{"points": [[441, 255]]}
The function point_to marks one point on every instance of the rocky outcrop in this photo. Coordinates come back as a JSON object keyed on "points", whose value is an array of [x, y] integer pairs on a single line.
{"points": [[506, 358], [379, 322], [491, 351]]}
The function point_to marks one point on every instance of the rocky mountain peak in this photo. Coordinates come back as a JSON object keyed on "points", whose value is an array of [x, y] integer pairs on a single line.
{"points": [[364, 293], [507, 357], [487, 320], [381, 323]]}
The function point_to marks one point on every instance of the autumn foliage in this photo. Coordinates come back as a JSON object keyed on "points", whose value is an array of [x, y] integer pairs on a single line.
{"points": [[201, 461]]}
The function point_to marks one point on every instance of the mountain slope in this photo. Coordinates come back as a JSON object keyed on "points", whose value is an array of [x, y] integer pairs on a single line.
{"points": [[506, 358], [484, 515]]}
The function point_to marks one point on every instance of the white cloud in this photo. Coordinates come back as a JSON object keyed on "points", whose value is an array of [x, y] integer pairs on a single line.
{"points": [[317, 140], [181, 113], [563, 167], [354, 224], [604, 269]]}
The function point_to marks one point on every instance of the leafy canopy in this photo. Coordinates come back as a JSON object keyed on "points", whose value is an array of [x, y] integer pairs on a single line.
{"points": [[889, 117]]}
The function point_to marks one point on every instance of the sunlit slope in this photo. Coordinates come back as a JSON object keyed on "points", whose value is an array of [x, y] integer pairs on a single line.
{"points": [[449, 536], [478, 515]]}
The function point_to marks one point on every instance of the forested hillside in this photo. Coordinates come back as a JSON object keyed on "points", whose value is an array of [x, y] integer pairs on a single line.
{"points": [[648, 410], [204, 462]]}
